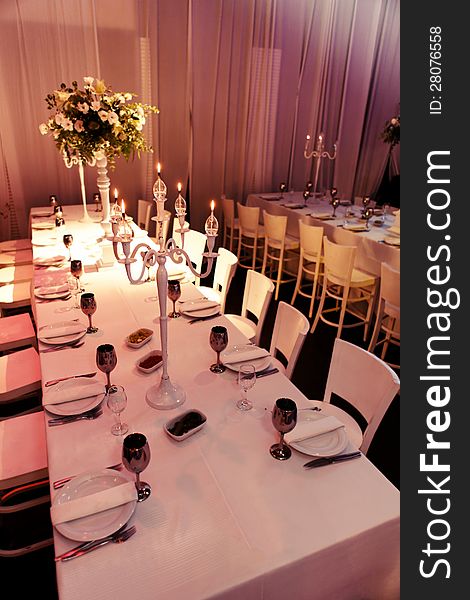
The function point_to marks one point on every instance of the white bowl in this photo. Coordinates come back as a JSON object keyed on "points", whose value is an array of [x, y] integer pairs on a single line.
{"points": [[148, 355], [186, 433], [146, 337]]}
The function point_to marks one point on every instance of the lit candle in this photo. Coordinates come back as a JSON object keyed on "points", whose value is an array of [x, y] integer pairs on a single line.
{"points": [[158, 169], [212, 206], [123, 206], [308, 137], [115, 194], [179, 188]]}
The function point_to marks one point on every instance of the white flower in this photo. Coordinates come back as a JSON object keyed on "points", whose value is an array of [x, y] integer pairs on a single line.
{"points": [[96, 105], [128, 96], [58, 118], [79, 126], [55, 134], [83, 107], [43, 128], [140, 111], [88, 80], [67, 124], [103, 115], [112, 117], [139, 126]]}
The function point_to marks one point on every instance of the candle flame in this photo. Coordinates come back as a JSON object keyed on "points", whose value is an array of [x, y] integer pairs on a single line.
{"points": [[212, 205], [123, 206], [179, 187], [159, 168], [115, 193], [308, 137]]}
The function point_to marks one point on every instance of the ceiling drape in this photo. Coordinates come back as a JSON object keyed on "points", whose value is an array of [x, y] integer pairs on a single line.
{"points": [[239, 84]]}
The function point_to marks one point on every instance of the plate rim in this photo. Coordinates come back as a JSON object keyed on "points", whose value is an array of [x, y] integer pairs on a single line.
{"points": [[73, 336], [50, 407], [341, 431], [64, 528]]}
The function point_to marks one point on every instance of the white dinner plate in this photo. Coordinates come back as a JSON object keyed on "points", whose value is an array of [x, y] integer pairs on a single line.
{"points": [[54, 261], [392, 241], [41, 213], [258, 363], [55, 296], [63, 339], [74, 407], [48, 242], [325, 444], [205, 312], [42, 225], [99, 525]]}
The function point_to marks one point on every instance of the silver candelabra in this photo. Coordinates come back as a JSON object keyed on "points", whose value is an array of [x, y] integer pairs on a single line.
{"points": [[319, 153], [166, 394]]}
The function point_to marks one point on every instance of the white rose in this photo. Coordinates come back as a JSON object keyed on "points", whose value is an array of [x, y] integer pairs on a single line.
{"points": [[139, 126], [67, 124], [103, 115], [112, 117], [140, 111], [43, 128]]}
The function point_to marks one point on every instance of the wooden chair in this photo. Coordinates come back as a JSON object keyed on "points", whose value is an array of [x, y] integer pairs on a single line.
{"points": [[16, 331], [144, 209], [290, 329], [339, 280], [225, 267], [251, 236], [310, 261], [14, 296], [231, 224], [16, 274]]}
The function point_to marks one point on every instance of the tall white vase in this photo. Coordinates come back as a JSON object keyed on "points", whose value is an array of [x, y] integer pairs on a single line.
{"points": [[86, 217], [104, 183]]}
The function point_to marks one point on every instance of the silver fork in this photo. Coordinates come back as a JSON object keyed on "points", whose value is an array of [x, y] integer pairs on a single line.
{"points": [[83, 417], [117, 538], [63, 347], [55, 381]]}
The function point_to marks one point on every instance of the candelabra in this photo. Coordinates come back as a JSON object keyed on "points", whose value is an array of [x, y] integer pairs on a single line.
{"points": [[166, 394], [319, 153]]}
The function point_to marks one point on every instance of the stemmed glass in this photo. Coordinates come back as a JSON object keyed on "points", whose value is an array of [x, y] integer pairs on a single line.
{"points": [[68, 241], [174, 293], [218, 340], [106, 361], [282, 188], [334, 204], [88, 306], [246, 380], [309, 186], [117, 402], [76, 269], [284, 420], [97, 201], [365, 201], [136, 457], [367, 214], [306, 196]]}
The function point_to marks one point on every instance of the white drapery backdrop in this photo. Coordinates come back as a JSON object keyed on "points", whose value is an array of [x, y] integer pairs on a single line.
{"points": [[239, 84]]}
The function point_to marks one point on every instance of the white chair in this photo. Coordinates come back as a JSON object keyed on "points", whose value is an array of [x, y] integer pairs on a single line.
{"points": [[15, 295], [225, 267], [16, 331], [310, 261], [388, 314], [366, 382], [194, 246], [231, 223], [16, 274], [290, 329], [21, 375], [251, 236], [144, 208], [279, 250], [347, 286], [256, 298]]}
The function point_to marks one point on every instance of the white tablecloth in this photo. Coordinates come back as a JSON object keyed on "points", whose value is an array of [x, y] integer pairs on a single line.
{"points": [[371, 251], [224, 520]]}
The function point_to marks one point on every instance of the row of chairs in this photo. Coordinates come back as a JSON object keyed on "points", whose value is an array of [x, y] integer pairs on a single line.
{"points": [[320, 261]]}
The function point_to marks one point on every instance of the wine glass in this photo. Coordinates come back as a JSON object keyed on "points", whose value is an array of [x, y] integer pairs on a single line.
{"points": [[97, 201], [136, 457], [284, 420], [117, 402], [334, 192], [334, 204], [306, 195], [76, 268], [246, 380], [106, 361], [282, 188], [52, 201], [218, 340], [68, 241], [367, 215], [365, 201], [88, 306], [309, 186], [174, 293]]}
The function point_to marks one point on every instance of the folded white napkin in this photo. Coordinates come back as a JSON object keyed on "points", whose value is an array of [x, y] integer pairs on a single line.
{"points": [[305, 430], [73, 389], [243, 354], [195, 305], [293, 205], [61, 331], [53, 289], [93, 503], [353, 227], [49, 261], [322, 216]]}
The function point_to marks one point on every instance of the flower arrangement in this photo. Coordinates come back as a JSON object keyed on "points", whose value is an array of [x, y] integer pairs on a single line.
{"points": [[391, 133], [96, 120]]}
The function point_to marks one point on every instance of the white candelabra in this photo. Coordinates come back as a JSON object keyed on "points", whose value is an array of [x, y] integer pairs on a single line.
{"points": [[319, 153], [166, 394]]}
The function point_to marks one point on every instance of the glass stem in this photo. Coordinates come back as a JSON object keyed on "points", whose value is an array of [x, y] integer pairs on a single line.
{"points": [[218, 358], [137, 481], [281, 441], [118, 421], [89, 321], [108, 377]]}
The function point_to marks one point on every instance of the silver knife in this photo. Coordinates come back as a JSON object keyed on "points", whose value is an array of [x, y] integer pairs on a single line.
{"points": [[329, 460], [195, 320], [267, 372]]}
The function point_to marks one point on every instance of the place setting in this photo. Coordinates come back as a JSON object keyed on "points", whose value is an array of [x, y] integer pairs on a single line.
{"points": [[198, 309]]}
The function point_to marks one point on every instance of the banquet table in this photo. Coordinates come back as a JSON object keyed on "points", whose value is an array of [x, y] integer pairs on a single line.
{"points": [[224, 519], [372, 248]]}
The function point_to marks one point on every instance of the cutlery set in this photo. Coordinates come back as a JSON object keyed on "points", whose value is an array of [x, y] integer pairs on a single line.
{"points": [[89, 415], [195, 320], [118, 537], [61, 482], [56, 381], [71, 346], [46, 300], [329, 460]]}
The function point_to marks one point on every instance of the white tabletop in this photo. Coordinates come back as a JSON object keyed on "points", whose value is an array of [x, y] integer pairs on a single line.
{"points": [[371, 248], [224, 520]]}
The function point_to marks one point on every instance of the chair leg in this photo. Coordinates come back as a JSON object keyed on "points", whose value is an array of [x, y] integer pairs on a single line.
{"points": [[255, 251], [342, 314], [314, 289], [297, 285], [265, 258], [320, 308], [375, 333], [370, 307]]}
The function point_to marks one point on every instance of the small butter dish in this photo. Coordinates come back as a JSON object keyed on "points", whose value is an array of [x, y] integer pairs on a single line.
{"points": [[150, 362], [185, 424], [138, 338]]}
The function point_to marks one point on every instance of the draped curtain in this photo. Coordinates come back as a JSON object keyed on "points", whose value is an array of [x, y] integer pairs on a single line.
{"points": [[239, 84]]}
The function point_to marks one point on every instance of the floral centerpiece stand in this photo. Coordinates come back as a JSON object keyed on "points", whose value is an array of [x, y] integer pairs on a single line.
{"points": [[94, 126]]}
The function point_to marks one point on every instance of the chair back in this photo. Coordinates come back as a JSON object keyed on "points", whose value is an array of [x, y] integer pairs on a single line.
{"points": [[339, 262], [175, 234], [194, 246], [144, 208], [225, 267], [275, 227], [256, 298], [363, 380], [390, 286], [290, 329], [228, 207], [249, 219], [311, 239]]}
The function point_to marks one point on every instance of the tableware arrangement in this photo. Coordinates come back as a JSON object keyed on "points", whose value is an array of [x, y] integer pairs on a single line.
{"points": [[106, 361], [56, 381], [182, 426], [116, 400], [234, 356], [107, 490], [88, 306], [284, 419], [73, 397], [68, 241], [89, 415], [199, 308], [72, 346], [136, 457], [330, 460], [174, 294], [218, 340], [317, 434], [59, 483], [246, 380], [208, 318], [62, 333], [120, 536]]}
